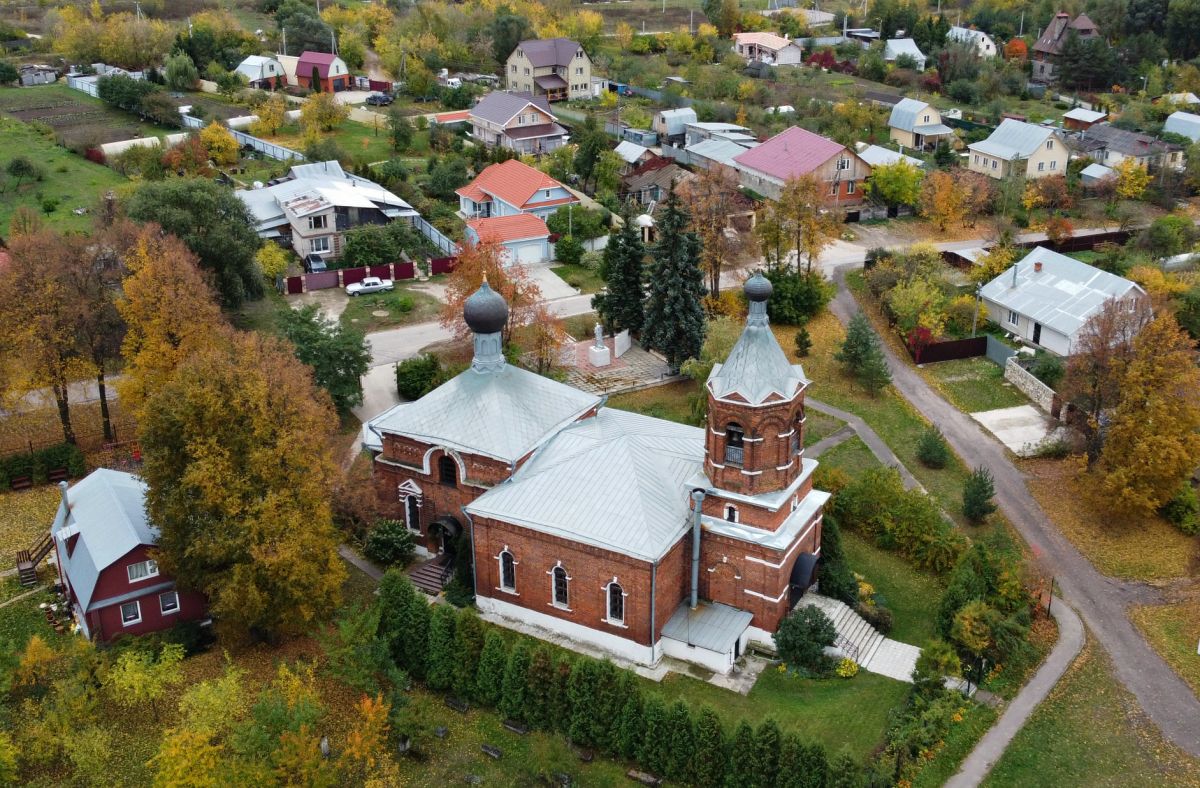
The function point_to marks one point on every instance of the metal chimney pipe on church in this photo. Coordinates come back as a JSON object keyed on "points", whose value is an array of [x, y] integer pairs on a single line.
{"points": [[697, 506]]}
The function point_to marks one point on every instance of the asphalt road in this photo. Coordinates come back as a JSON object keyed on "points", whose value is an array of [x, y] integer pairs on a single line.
{"points": [[1100, 600]]}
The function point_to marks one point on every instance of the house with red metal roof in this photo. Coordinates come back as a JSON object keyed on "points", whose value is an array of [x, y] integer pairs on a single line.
{"points": [[323, 71], [512, 187], [524, 237], [796, 152]]}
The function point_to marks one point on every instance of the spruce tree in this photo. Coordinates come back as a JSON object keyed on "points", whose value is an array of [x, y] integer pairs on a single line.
{"points": [[404, 622], [513, 690], [767, 742], [612, 685], [712, 751], [539, 686], [674, 323], [683, 743], [837, 580], [559, 706], [439, 670], [631, 726], [468, 645], [857, 345], [844, 772], [977, 495], [743, 761], [654, 753], [624, 271], [931, 448], [803, 342], [874, 374], [489, 679], [581, 693]]}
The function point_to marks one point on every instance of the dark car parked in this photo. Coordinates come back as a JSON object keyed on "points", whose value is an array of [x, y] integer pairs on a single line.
{"points": [[314, 264], [379, 99]]}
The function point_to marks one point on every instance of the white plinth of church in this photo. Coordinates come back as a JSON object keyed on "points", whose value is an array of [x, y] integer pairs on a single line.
{"points": [[599, 354]]}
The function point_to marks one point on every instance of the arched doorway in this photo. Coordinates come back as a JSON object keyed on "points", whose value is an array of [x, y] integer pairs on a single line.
{"points": [[448, 532], [804, 574]]}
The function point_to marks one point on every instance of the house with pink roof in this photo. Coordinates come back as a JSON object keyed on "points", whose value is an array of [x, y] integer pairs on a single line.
{"points": [[796, 152], [323, 71], [769, 48]]}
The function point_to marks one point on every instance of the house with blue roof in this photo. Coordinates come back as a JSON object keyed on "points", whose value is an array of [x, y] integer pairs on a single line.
{"points": [[1021, 149], [104, 551]]}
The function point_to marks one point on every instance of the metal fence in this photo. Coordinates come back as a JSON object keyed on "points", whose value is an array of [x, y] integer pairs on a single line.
{"points": [[436, 236], [998, 352]]}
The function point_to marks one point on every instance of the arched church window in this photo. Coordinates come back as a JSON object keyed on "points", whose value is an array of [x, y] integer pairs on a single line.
{"points": [[447, 471], [561, 597], [616, 603], [731, 513], [735, 438], [508, 572]]}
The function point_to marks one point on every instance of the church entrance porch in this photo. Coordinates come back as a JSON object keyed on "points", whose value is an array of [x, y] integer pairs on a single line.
{"points": [[713, 635]]}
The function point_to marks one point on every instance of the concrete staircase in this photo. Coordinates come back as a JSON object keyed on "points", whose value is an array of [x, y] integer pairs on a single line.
{"points": [[862, 643]]}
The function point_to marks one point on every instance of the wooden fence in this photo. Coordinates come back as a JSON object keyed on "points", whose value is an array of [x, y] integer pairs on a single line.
{"points": [[949, 350]]}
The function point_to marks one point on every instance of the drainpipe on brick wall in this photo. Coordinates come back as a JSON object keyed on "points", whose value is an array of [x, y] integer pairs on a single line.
{"points": [[471, 527], [653, 606], [697, 503]]}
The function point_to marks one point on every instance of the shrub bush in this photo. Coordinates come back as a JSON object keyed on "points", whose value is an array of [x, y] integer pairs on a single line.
{"points": [[1183, 510], [977, 495], [802, 638], [416, 377], [1048, 368], [38, 464], [803, 342], [797, 297], [877, 616], [847, 668], [390, 543], [931, 448]]}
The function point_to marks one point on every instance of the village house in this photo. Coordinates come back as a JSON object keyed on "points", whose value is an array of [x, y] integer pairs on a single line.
{"points": [[1185, 124], [556, 68], [650, 183], [261, 71], [978, 40], [323, 71], [1106, 144], [512, 187], [103, 550], [517, 121], [897, 47], [313, 207], [669, 124], [766, 47], [1048, 48], [523, 237], [917, 124], [1046, 299], [621, 532], [1019, 148], [1080, 119], [795, 152], [632, 155]]}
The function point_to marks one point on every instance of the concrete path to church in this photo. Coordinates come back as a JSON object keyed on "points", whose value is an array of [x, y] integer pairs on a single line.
{"points": [[993, 744], [1100, 600], [876, 444]]}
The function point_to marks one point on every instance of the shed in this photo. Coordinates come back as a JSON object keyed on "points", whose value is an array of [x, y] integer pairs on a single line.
{"points": [[672, 122]]}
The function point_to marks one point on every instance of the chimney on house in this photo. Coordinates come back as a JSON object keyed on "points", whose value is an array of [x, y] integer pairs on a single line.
{"points": [[1037, 267], [1015, 267]]}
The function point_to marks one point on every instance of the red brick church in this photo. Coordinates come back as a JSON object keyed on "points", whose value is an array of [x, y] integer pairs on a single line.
{"points": [[634, 535]]}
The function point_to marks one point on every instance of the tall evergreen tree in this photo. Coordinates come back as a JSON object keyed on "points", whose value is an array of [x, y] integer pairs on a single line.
{"points": [[683, 743], [837, 580], [743, 760], [631, 726], [674, 323], [404, 622], [654, 753], [558, 703], [875, 374], [856, 346], [623, 269], [712, 751], [844, 772], [489, 679], [802, 765], [440, 664], [514, 689], [767, 742], [539, 686], [612, 685], [582, 689], [468, 645]]}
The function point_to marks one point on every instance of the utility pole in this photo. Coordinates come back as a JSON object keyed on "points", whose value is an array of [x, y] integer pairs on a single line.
{"points": [[284, 52], [1021, 29]]}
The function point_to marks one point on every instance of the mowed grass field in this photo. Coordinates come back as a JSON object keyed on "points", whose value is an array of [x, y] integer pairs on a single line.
{"points": [[69, 181]]}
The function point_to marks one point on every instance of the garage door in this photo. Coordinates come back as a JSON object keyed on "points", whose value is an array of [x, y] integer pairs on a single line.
{"points": [[527, 253]]}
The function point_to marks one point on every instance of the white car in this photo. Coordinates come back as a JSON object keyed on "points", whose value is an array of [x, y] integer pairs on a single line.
{"points": [[371, 284]]}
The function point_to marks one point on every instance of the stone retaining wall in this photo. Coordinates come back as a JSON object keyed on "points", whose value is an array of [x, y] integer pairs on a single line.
{"points": [[1041, 394]]}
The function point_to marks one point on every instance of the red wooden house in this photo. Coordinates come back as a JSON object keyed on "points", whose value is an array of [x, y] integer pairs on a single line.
{"points": [[332, 73], [103, 548]]}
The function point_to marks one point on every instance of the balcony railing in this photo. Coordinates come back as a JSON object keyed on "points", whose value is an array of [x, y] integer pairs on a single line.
{"points": [[734, 455]]}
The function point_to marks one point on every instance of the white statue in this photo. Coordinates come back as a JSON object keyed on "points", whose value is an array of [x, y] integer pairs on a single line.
{"points": [[599, 336]]}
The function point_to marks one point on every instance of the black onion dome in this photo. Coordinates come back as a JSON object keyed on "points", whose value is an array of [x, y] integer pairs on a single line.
{"points": [[485, 311], [758, 287]]}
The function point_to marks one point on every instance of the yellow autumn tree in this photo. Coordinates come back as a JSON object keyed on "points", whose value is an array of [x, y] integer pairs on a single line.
{"points": [[271, 114], [36, 660], [298, 760], [998, 260], [1132, 179], [188, 759], [1156, 282], [1153, 435], [624, 35], [273, 260], [243, 504], [323, 113], [942, 200], [169, 309], [220, 144], [366, 742], [140, 677]]}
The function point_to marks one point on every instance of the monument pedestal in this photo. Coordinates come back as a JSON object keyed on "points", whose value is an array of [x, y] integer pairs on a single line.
{"points": [[599, 356]]}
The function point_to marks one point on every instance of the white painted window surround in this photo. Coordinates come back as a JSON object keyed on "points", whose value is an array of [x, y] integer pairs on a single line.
{"points": [[142, 570], [131, 613], [168, 602]]}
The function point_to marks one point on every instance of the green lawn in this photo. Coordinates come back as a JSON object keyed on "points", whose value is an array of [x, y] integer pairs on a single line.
{"points": [[580, 326], [355, 139], [586, 280], [911, 595], [671, 402], [68, 181], [24, 517], [402, 305], [973, 384], [1173, 630], [818, 426], [850, 714], [23, 619], [1091, 732], [852, 456]]}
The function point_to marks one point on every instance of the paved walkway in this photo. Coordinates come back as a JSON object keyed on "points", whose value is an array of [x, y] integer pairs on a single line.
{"points": [[829, 441], [881, 450], [369, 569], [1100, 600], [989, 749]]}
